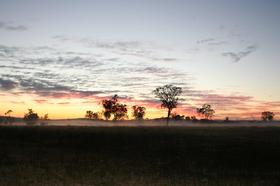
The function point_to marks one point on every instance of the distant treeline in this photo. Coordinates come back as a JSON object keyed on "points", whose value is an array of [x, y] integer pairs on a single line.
{"points": [[113, 109]]}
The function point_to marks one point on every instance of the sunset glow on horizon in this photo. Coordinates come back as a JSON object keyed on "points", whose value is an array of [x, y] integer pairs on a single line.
{"points": [[63, 58]]}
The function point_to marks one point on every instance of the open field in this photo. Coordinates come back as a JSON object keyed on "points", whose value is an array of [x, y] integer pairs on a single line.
{"points": [[68, 155]]}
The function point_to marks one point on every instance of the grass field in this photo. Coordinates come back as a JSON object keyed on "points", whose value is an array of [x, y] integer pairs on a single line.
{"points": [[53, 155]]}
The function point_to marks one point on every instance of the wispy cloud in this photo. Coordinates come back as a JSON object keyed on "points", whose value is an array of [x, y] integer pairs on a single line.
{"points": [[207, 40], [237, 56], [12, 27], [211, 42], [138, 49]]}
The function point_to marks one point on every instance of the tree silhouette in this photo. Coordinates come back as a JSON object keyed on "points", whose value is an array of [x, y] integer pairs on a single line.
{"points": [[92, 115], [138, 112], [44, 119], [31, 117], [177, 117], [206, 111], [119, 111], [108, 105], [89, 114], [168, 95], [267, 116], [113, 107], [8, 113], [8, 118], [95, 116], [107, 114]]}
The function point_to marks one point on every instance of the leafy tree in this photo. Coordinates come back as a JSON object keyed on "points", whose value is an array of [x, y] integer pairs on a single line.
{"points": [[113, 107], [92, 115], [138, 112], [176, 116], [267, 116], [226, 119], [107, 114], [89, 114], [193, 118], [119, 111], [108, 105], [206, 111], [44, 119], [188, 118], [168, 95], [95, 116], [31, 117]]}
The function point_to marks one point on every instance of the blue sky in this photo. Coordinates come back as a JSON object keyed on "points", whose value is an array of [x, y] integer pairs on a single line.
{"points": [[225, 50]]}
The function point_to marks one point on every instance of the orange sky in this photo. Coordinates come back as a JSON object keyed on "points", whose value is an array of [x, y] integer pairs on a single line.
{"points": [[75, 107]]}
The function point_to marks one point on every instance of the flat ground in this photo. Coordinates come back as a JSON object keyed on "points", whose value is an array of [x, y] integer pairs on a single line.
{"points": [[68, 155]]}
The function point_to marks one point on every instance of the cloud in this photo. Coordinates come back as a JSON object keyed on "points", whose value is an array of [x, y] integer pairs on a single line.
{"points": [[207, 40], [236, 57], [138, 49], [6, 84], [40, 101], [12, 27], [17, 28], [225, 102], [46, 88], [211, 42], [64, 103], [7, 51]]}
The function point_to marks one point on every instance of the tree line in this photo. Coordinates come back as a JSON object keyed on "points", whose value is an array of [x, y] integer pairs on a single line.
{"points": [[113, 109], [169, 97]]}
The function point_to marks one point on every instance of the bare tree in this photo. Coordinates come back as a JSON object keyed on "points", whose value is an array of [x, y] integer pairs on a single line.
{"points": [[168, 95]]}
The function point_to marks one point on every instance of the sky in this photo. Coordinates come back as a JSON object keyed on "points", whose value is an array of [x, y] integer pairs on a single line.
{"points": [[63, 57]]}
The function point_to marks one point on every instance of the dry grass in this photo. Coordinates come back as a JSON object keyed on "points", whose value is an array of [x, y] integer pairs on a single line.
{"points": [[139, 155]]}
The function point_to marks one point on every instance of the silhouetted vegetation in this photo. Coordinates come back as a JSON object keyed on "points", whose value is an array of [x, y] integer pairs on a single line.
{"points": [[168, 95], [138, 112], [267, 116], [44, 119], [109, 106], [226, 119], [8, 119], [113, 107], [206, 111], [92, 115], [31, 117], [193, 118], [177, 117]]}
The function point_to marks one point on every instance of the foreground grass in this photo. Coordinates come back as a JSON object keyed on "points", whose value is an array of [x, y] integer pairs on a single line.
{"points": [[139, 156]]}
